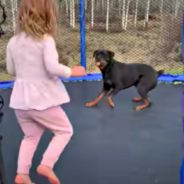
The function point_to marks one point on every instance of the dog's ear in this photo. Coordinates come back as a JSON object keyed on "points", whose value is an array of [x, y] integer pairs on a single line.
{"points": [[95, 52], [111, 54]]}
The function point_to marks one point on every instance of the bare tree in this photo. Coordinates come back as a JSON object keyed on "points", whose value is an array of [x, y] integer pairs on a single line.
{"points": [[16, 5], [66, 7], [103, 5], [112, 4], [98, 5], [119, 7], [4, 3], [86, 5], [136, 12], [176, 9], [107, 16], [127, 13], [72, 13], [161, 6], [13, 11], [147, 13], [123, 14], [92, 13]]}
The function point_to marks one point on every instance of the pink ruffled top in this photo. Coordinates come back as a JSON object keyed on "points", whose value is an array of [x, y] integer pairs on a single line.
{"points": [[37, 70]]}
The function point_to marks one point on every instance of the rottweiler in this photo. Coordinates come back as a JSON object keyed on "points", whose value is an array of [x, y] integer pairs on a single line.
{"points": [[118, 76]]}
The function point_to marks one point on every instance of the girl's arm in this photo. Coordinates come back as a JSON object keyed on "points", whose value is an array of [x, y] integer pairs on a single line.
{"points": [[10, 67], [51, 61]]}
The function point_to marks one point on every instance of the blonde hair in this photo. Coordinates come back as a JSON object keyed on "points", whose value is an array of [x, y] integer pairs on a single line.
{"points": [[37, 18]]}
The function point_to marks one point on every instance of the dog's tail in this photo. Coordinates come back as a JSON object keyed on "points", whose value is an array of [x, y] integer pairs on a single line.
{"points": [[160, 72]]}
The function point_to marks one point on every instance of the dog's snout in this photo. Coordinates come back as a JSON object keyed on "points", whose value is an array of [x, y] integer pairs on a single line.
{"points": [[97, 63]]}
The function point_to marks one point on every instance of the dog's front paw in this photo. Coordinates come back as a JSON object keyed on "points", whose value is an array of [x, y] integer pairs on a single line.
{"points": [[110, 103], [141, 107], [90, 104], [138, 108]]}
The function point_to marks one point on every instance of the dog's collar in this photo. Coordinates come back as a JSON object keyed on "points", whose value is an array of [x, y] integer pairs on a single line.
{"points": [[109, 66]]}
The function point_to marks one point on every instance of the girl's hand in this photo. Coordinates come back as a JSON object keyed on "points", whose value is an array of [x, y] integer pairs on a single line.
{"points": [[78, 71]]}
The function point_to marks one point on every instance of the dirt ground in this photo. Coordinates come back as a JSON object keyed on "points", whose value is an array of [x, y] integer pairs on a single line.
{"points": [[135, 46]]}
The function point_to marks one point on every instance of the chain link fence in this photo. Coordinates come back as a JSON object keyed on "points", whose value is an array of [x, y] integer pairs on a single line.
{"points": [[138, 31], [68, 36]]}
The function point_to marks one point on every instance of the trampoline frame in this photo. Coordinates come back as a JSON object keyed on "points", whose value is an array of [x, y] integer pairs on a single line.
{"points": [[97, 77]]}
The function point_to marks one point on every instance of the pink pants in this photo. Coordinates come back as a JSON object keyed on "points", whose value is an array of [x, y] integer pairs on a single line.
{"points": [[33, 124]]}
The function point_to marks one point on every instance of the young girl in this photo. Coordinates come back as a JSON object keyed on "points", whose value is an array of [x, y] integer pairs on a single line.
{"points": [[38, 92]]}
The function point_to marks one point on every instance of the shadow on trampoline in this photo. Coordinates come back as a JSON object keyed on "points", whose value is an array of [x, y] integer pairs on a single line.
{"points": [[119, 146]]}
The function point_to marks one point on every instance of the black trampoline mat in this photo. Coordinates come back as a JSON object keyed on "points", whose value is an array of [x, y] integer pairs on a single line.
{"points": [[119, 146]]}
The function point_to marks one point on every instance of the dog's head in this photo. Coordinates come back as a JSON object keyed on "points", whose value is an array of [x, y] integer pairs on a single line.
{"points": [[103, 58]]}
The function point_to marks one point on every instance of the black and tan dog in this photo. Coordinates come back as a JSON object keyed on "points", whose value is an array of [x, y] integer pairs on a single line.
{"points": [[118, 76]]}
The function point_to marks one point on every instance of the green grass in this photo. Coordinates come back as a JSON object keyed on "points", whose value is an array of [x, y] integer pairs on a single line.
{"points": [[178, 71]]}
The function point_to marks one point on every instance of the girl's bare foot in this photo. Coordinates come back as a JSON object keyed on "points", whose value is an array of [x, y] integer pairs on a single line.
{"points": [[23, 179], [48, 173]]}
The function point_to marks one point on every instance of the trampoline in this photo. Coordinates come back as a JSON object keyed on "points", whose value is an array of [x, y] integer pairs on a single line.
{"points": [[119, 146]]}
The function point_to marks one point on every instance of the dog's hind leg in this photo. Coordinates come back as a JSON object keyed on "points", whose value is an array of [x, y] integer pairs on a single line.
{"points": [[137, 99], [146, 84], [143, 93], [143, 106]]}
